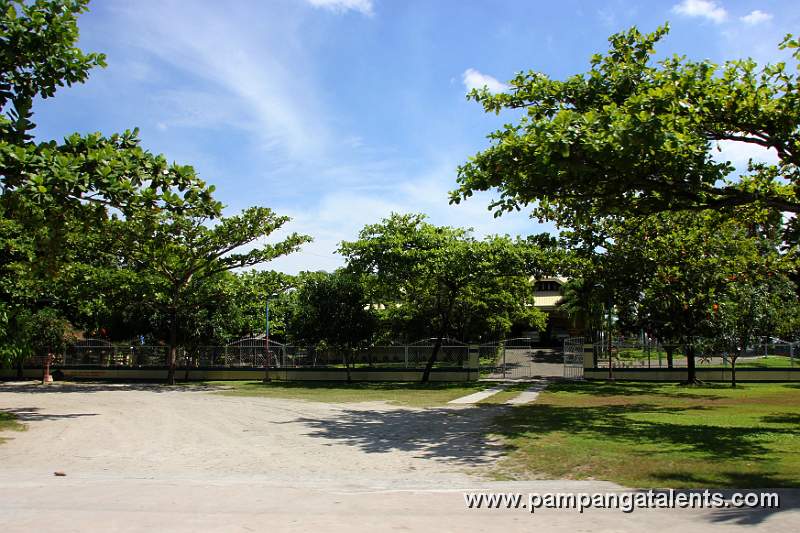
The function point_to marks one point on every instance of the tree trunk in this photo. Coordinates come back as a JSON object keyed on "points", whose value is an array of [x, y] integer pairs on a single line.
{"points": [[173, 351], [426, 375], [691, 377], [186, 361], [347, 366], [669, 349], [733, 372], [19, 367]]}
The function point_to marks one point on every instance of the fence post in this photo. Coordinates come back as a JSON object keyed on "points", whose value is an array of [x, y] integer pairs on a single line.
{"points": [[473, 361], [504, 358]]}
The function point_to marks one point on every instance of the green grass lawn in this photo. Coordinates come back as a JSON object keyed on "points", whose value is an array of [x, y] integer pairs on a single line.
{"points": [[8, 422], [771, 361], [407, 394], [657, 435]]}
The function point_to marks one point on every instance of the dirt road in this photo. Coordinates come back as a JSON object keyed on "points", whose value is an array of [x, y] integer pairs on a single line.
{"points": [[139, 457]]}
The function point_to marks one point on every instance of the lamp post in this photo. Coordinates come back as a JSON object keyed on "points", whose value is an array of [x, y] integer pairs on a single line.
{"points": [[610, 344], [266, 339]]}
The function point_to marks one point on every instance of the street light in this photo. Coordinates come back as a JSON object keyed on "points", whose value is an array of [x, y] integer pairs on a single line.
{"points": [[266, 338]]}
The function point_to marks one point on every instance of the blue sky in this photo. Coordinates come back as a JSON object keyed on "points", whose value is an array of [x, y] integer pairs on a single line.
{"points": [[337, 112]]}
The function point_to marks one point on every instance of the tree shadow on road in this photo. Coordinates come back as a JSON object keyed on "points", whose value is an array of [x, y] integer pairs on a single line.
{"points": [[456, 435], [35, 414]]}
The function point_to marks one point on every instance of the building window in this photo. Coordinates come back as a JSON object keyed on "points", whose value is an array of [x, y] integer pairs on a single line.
{"points": [[548, 286]]}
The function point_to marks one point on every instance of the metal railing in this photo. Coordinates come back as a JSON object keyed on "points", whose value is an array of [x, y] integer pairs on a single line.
{"points": [[252, 352], [643, 352]]}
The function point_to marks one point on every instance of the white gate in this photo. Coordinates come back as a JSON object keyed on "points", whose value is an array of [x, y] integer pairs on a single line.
{"points": [[507, 359], [573, 357]]}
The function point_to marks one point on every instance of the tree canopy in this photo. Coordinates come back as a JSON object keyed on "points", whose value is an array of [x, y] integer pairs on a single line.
{"points": [[426, 274], [180, 253], [332, 311], [635, 136]]}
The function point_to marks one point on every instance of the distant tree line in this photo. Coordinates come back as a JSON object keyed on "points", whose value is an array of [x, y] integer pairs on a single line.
{"points": [[102, 238]]}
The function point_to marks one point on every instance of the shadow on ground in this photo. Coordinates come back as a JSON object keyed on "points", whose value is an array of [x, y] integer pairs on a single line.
{"points": [[613, 422], [788, 500], [748, 516], [632, 388], [545, 355], [456, 435], [34, 414]]}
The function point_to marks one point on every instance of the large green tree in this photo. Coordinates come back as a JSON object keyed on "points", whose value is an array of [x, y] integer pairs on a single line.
{"points": [[49, 190], [751, 311], [178, 254], [634, 136], [428, 273], [332, 311], [671, 273]]}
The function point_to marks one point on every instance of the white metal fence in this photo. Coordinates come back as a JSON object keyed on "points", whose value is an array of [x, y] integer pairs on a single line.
{"points": [[254, 351], [644, 352]]}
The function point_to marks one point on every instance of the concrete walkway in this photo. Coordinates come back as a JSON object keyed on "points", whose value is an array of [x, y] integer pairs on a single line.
{"points": [[528, 395], [478, 396]]}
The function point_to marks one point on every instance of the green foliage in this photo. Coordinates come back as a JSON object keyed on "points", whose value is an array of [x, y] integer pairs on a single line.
{"points": [[632, 136], [57, 199], [183, 258], [584, 302], [117, 237], [229, 306], [245, 297], [332, 310], [439, 281], [38, 333], [38, 55], [689, 275], [673, 270], [47, 332]]}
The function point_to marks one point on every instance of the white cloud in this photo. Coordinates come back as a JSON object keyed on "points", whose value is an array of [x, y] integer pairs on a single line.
{"points": [[362, 6], [708, 9], [756, 17], [243, 76], [339, 215], [476, 80], [739, 153]]}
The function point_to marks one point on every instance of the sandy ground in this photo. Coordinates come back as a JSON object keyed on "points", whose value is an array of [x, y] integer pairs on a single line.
{"points": [[144, 457]]}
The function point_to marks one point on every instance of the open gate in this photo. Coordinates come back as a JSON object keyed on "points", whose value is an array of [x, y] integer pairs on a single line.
{"points": [[573, 357], [507, 358]]}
